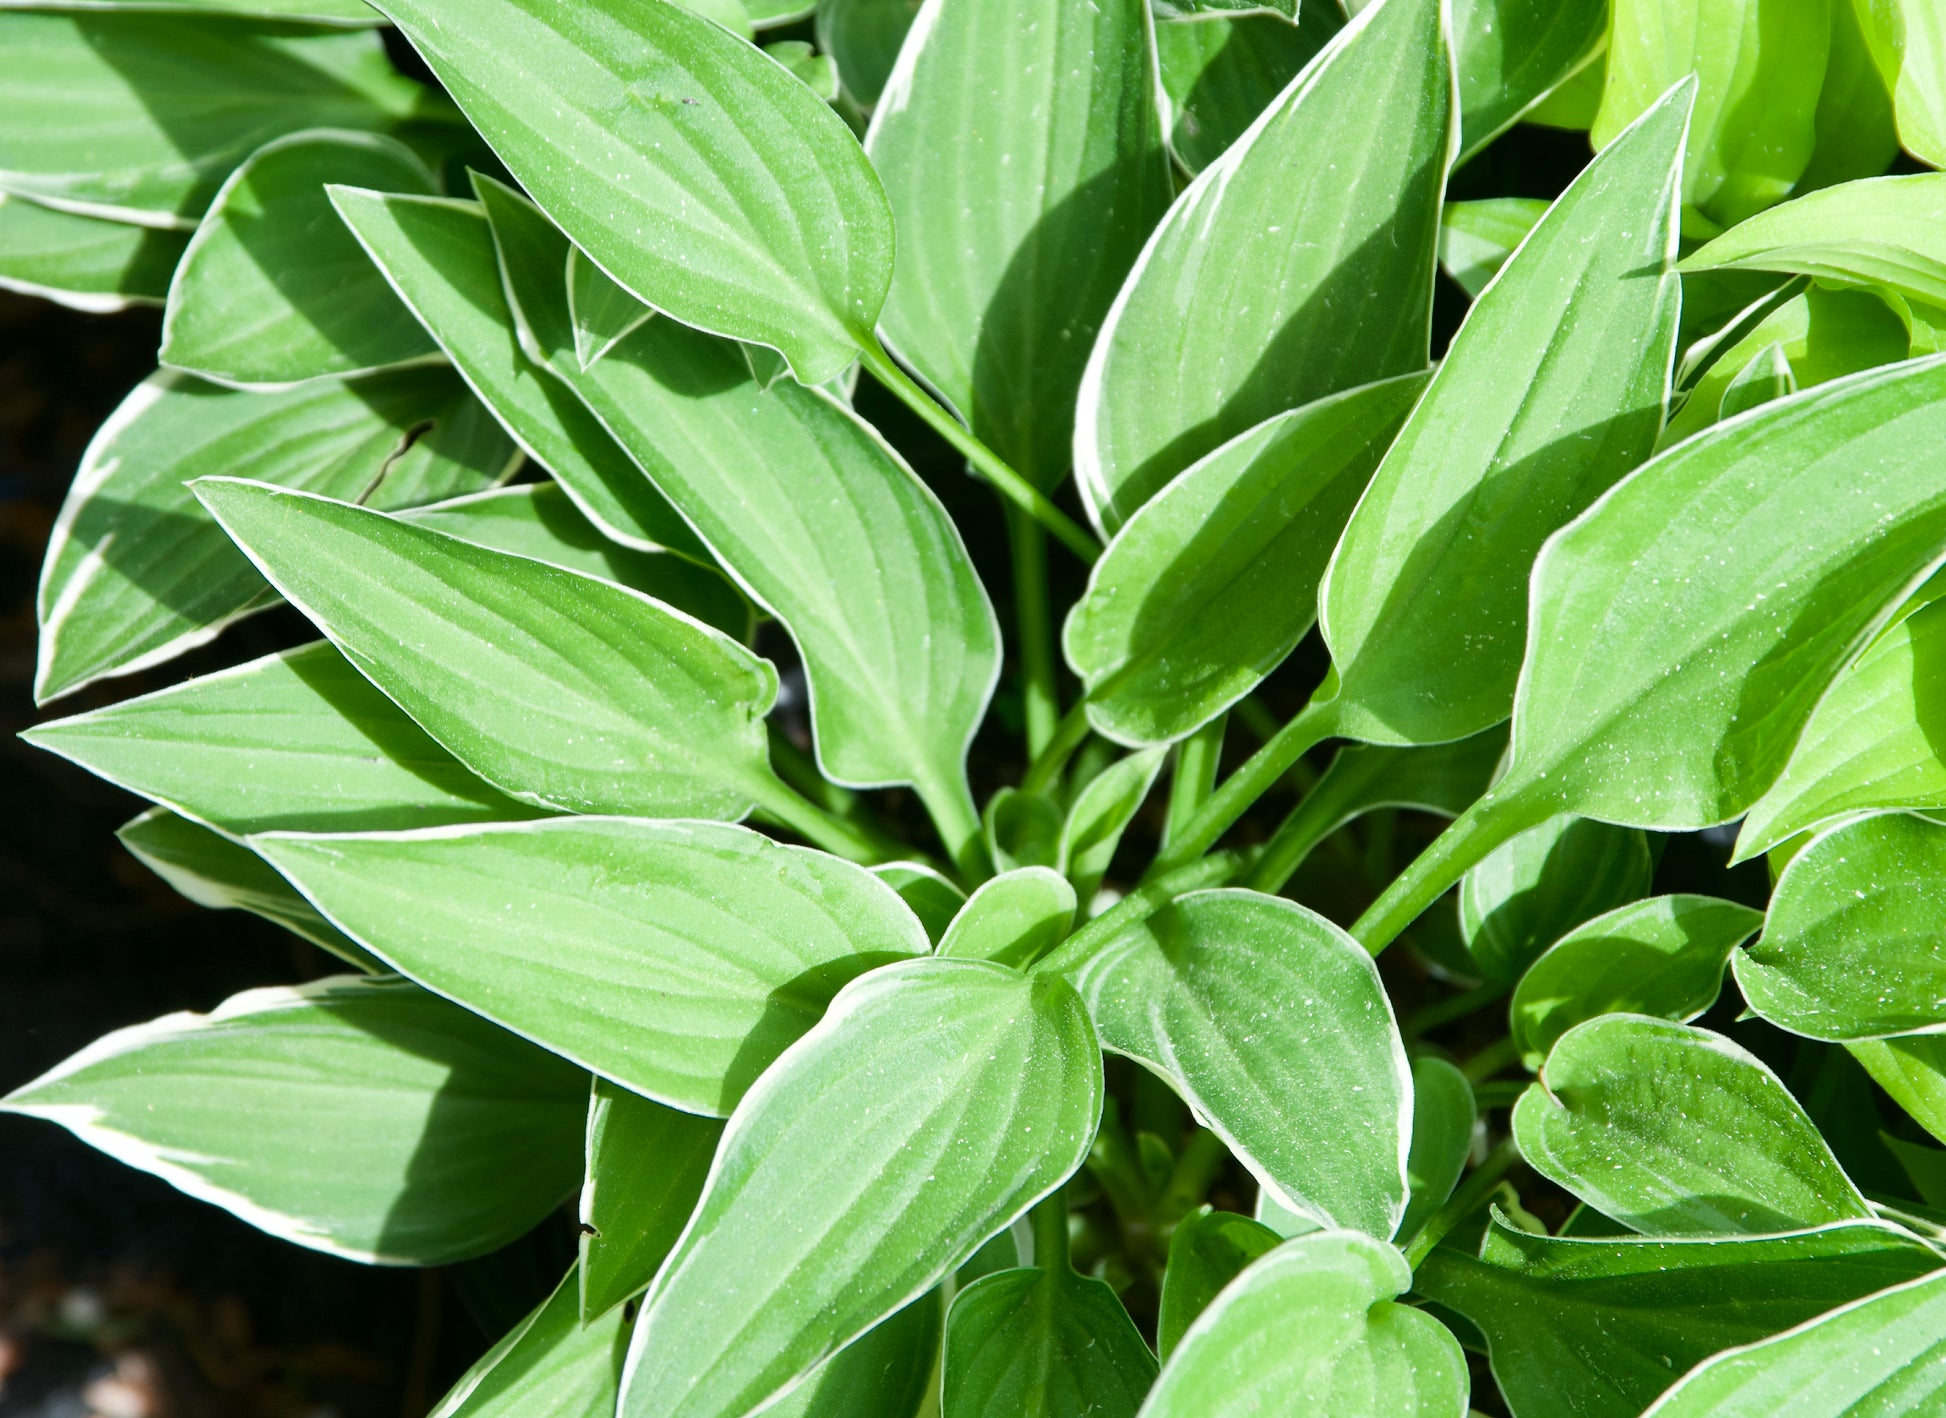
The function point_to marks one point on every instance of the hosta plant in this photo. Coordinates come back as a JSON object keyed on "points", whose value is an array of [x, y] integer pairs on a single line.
{"points": [[532, 354]]}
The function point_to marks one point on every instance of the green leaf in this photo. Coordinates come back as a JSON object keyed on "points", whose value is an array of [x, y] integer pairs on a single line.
{"points": [[539, 520], [550, 1362], [1313, 1328], [1275, 321], [1441, 778], [1476, 238], [698, 173], [818, 72], [1870, 741], [1574, 102], [1553, 389], [1913, 1071], [1823, 333], [1015, 918], [1534, 889], [1663, 957], [214, 871], [1208, 1250], [675, 958], [1908, 41], [600, 700], [933, 898], [347, 14], [363, 1118], [440, 258], [84, 263], [1767, 376], [1023, 829], [1850, 949], [1759, 65], [863, 37], [1272, 1024], [646, 1164], [1213, 581], [1043, 1341], [1014, 236], [1857, 136], [273, 289], [1883, 232], [1100, 813], [1885, 1354], [1597, 1328], [1221, 72], [602, 311], [137, 572], [1675, 1131], [1510, 53], [297, 739], [1636, 705], [998, 1091], [1443, 1119], [813, 514], [140, 117], [890, 1371]]}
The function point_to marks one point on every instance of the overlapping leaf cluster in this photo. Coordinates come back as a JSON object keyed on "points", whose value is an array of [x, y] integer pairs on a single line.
{"points": [[532, 389]]}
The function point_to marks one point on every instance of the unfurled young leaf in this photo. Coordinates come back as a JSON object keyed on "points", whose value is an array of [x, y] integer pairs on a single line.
{"points": [[440, 258], [214, 871], [1675, 1131], [1536, 888], [696, 171], [1552, 390], [1013, 237], [1274, 245], [140, 117], [1015, 918], [1220, 72], [1759, 65], [811, 511], [1213, 581], [591, 697], [1099, 815], [1884, 1352], [138, 573], [306, 1112], [645, 1169], [1313, 1327], [1600, 1327], [675, 958], [550, 1359], [295, 740], [1850, 948], [1663, 957], [1042, 1339], [82, 262], [273, 290], [1870, 741], [1314, 1096], [998, 1090], [602, 311]]}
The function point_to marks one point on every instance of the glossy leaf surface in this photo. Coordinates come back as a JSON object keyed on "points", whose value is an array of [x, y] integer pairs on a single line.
{"points": [[1599, 1327], [999, 1091], [1852, 948], [273, 289], [562, 690], [1043, 1341], [1211, 583], [701, 175], [1675, 1131], [1272, 1024], [312, 1113], [1552, 390], [1313, 1328], [1014, 236], [1663, 957], [1227, 319], [137, 572], [294, 740], [677, 959]]}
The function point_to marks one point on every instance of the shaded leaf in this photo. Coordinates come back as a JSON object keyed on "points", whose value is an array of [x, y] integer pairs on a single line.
{"points": [[1043, 1341], [1207, 1251], [550, 1362], [602, 311], [890, 1371], [1476, 238], [1220, 72], [645, 1169], [1913, 1071], [83, 262], [863, 37], [1443, 1119], [1534, 889], [1509, 53], [1100, 813], [1015, 918], [933, 898]]}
